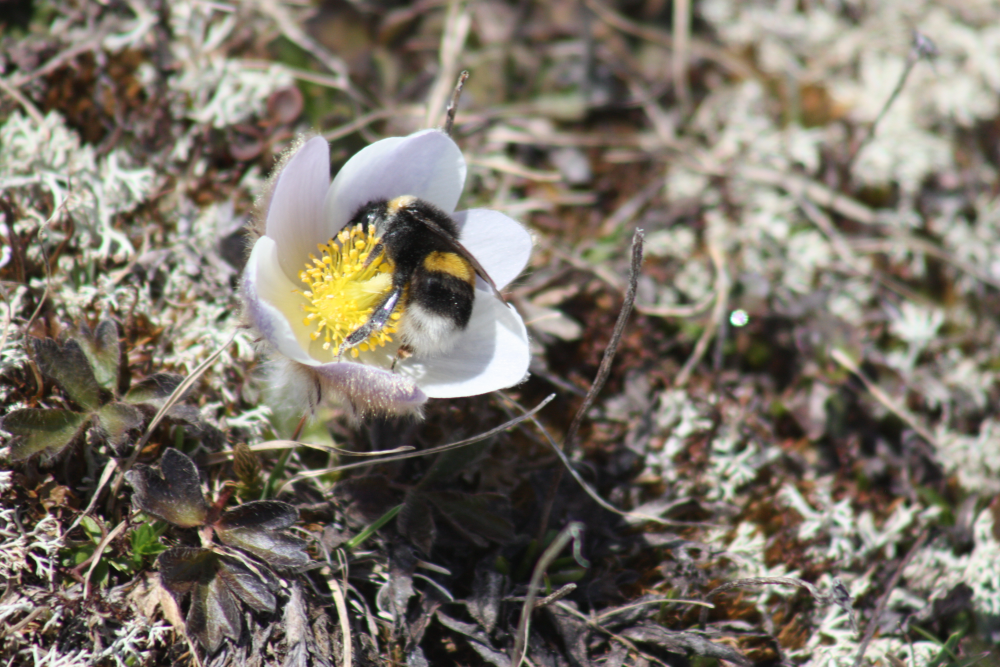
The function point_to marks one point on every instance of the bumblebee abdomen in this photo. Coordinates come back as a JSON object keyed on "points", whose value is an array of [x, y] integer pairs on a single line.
{"points": [[445, 287], [452, 264]]}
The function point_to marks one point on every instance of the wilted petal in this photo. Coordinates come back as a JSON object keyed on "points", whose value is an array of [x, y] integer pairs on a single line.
{"points": [[295, 214], [273, 308], [372, 390], [492, 353], [500, 244], [427, 165]]}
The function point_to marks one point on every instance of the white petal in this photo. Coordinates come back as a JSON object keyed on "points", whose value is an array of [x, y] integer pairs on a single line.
{"points": [[501, 244], [372, 390], [295, 214], [427, 165], [272, 307], [492, 353]]}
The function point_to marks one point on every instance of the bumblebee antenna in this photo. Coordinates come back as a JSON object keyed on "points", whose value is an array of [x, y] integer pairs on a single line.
{"points": [[449, 118]]}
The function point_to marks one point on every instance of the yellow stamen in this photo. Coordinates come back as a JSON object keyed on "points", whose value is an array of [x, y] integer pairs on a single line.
{"points": [[342, 291]]}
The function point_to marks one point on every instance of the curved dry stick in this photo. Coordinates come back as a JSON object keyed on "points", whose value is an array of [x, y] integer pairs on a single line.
{"points": [[570, 532]]}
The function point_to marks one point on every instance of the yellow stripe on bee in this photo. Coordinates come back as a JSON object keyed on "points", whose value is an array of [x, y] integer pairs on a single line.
{"points": [[451, 263], [404, 201]]}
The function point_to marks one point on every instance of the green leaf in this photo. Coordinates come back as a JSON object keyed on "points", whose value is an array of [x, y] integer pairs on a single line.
{"points": [[103, 351], [117, 419], [174, 494], [145, 542], [48, 432], [92, 528], [258, 527], [154, 389], [70, 368]]}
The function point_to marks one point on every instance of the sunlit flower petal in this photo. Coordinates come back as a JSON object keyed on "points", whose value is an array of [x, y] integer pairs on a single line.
{"points": [[500, 244], [267, 293], [492, 353], [427, 165], [309, 282], [295, 214]]}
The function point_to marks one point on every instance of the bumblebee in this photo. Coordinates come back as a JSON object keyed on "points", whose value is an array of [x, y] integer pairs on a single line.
{"points": [[433, 276]]}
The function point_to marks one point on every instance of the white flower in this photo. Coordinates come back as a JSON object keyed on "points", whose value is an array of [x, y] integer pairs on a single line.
{"points": [[306, 218]]}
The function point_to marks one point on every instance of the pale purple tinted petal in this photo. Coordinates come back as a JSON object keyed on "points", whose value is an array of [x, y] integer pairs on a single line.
{"points": [[427, 165], [272, 307], [501, 244], [492, 353], [295, 214], [372, 390]]}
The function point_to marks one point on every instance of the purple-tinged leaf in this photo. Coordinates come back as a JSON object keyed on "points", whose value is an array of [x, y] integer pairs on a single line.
{"points": [[258, 528], [214, 614], [48, 432], [255, 587], [265, 514], [182, 567], [174, 494], [217, 582]]}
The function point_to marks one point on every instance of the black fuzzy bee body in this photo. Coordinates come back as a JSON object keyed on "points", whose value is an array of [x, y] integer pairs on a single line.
{"points": [[433, 275]]}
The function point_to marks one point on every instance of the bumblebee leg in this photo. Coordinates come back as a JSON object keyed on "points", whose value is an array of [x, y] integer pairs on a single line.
{"points": [[404, 352], [377, 320], [374, 254]]}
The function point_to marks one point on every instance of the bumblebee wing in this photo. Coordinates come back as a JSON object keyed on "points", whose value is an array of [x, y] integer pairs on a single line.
{"points": [[464, 252]]}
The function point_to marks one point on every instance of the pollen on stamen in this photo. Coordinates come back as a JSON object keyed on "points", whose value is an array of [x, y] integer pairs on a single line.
{"points": [[342, 291]]}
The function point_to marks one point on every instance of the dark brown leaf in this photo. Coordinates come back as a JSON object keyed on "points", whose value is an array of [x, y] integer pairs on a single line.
{"points": [[174, 494], [683, 642], [478, 517], [182, 567], [416, 521], [259, 528], [365, 499], [256, 586], [214, 614], [487, 592]]}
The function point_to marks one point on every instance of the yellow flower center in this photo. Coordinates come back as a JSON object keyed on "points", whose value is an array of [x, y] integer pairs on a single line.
{"points": [[344, 289]]}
